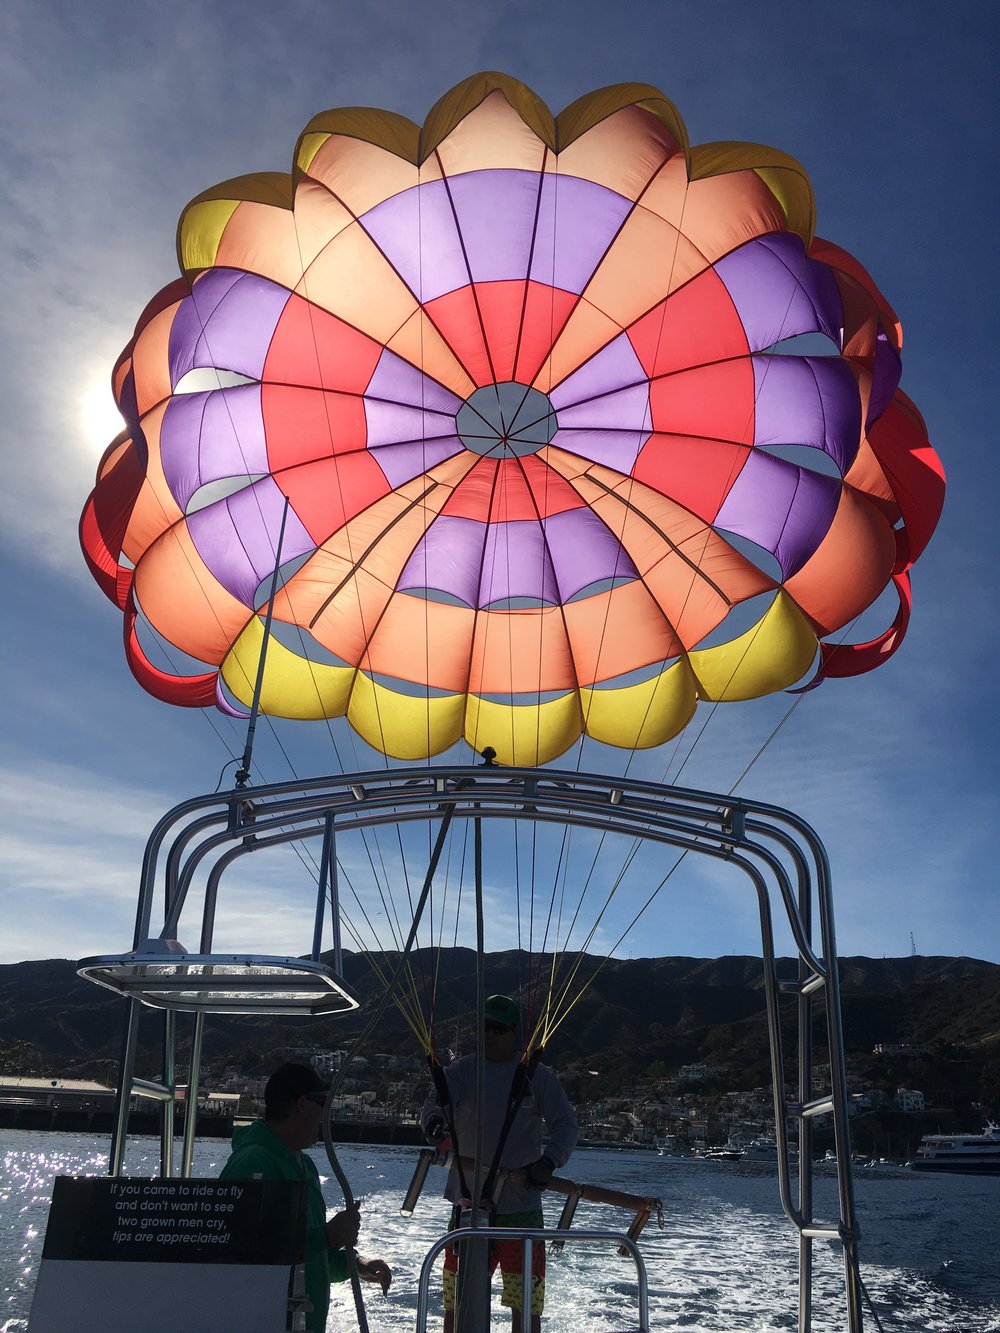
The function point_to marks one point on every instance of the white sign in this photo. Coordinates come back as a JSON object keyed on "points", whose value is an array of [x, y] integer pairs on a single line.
{"points": [[127, 1254]]}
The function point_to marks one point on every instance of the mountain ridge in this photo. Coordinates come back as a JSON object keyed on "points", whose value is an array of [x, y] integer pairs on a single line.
{"points": [[635, 1013]]}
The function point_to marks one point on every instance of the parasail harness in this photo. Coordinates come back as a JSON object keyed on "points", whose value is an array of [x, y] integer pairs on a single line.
{"points": [[642, 1207], [519, 1088]]}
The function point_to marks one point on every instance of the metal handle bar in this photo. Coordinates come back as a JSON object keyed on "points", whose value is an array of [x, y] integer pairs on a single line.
{"points": [[530, 1238]]}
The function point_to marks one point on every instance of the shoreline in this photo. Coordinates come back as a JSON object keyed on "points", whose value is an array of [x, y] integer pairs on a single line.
{"points": [[46, 1120]]}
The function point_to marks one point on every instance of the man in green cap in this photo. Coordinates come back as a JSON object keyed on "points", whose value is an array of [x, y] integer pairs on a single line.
{"points": [[275, 1149], [521, 1100]]}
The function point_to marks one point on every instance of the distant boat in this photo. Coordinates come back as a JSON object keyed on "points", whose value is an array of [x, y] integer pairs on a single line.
{"points": [[667, 1146], [731, 1151], [762, 1149], [967, 1154]]}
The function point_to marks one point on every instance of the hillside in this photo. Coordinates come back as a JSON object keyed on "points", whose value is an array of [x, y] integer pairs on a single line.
{"points": [[637, 1018]]}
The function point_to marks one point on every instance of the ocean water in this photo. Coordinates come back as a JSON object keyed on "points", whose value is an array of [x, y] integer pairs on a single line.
{"points": [[724, 1262]]}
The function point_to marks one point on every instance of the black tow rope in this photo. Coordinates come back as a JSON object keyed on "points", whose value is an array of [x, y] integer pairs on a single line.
{"points": [[448, 1111], [520, 1086]]}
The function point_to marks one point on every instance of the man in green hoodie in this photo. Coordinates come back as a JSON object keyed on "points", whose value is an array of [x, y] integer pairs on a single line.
{"points": [[274, 1149]]}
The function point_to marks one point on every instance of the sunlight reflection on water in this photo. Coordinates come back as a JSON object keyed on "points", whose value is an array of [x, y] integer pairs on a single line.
{"points": [[724, 1263]]}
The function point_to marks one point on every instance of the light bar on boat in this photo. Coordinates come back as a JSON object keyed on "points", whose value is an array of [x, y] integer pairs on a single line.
{"points": [[222, 983]]}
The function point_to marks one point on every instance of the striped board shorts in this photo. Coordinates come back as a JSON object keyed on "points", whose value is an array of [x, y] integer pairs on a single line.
{"points": [[508, 1254]]}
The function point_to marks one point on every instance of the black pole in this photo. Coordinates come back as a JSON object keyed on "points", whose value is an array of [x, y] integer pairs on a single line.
{"points": [[472, 1289], [243, 772]]}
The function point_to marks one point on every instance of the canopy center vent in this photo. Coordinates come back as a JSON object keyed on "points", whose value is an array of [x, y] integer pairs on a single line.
{"points": [[506, 420]]}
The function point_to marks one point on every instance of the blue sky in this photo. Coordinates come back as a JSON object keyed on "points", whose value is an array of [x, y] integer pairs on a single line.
{"points": [[115, 115]]}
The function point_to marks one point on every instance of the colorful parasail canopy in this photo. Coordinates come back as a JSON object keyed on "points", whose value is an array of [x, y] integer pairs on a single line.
{"points": [[549, 427]]}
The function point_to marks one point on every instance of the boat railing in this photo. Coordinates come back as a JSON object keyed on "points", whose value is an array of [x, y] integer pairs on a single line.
{"points": [[529, 1239], [776, 853]]}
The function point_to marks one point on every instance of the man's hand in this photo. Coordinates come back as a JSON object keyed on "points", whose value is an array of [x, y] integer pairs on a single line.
{"points": [[342, 1229], [540, 1173], [376, 1270], [435, 1131]]}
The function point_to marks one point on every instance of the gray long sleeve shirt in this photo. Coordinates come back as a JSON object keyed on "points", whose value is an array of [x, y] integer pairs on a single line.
{"points": [[545, 1125]]}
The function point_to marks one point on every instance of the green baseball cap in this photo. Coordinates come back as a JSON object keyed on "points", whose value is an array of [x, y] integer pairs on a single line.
{"points": [[502, 1009]]}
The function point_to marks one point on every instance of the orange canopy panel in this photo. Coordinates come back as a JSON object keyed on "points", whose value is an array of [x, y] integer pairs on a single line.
{"points": [[517, 412]]}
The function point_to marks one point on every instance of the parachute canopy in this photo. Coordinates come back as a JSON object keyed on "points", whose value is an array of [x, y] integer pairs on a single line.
{"points": [[549, 426]]}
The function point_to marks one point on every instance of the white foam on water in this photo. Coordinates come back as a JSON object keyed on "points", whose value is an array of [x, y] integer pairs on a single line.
{"points": [[725, 1262]]}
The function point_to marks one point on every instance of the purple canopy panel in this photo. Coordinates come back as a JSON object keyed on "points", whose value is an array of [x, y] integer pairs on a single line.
{"points": [[584, 552], [402, 462], [779, 293], [207, 436], [223, 704], [624, 410], [550, 562], [238, 537], [496, 236], [516, 564], [605, 407], [447, 559], [590, 430], [577, 221], [886, 373], [397, 381], [398, 423], [810, 401], [496, 218], [617, 450], [781, 507], [194, 311], [416, 232], [615, 367], [227, 323], [129, 407]]}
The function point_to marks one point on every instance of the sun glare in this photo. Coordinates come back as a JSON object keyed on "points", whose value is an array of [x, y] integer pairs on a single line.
{"points": [[99, 414]]}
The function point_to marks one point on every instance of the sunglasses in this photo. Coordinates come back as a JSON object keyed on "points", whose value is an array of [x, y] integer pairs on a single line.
{"points": [[496, 1029], [317, 1098]]}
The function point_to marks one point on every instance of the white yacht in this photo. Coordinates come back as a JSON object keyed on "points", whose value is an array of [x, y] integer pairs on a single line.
{"points": [[731, 1151], [977, 1154], [764, 1148]]}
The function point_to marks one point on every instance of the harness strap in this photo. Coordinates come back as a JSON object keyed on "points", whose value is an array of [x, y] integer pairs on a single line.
{"points": [[448, 1111], [520, 1086]]}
